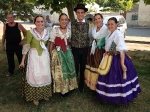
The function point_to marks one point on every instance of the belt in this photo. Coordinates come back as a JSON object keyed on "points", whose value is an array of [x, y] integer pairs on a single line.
{"points": [[113, 52]]}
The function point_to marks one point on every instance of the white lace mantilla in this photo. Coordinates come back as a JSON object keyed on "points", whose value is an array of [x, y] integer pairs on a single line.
{"points": [[98, 35], [38, 68]]}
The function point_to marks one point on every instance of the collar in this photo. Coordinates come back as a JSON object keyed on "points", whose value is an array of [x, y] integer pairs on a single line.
{"points": [[83, 21]]}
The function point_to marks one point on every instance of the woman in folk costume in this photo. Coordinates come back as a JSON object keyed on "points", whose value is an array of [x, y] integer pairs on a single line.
{"points": [[97, 35], [36, 64], [120, 85], [62, 61]]}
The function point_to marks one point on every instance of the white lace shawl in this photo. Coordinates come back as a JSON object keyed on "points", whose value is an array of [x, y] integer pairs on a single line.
{"points": [[57, 33], [103, 32], [118, 38]]}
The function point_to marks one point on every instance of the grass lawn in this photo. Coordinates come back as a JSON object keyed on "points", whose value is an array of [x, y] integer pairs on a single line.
{"points": [[11, 100]]}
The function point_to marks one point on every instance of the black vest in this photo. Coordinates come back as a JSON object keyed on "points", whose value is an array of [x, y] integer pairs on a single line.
{"points": [[79, 37]]}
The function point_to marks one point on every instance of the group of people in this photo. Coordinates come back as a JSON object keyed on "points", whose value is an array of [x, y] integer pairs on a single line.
{"points": [[78, 49]]}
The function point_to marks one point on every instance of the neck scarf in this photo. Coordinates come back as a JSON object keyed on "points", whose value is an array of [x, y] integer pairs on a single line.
{"points": [[44, 37], [95, 35]]}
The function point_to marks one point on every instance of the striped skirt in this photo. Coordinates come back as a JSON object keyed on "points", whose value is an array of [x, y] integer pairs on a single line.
{"points": [[113, 88], [93, 61]]}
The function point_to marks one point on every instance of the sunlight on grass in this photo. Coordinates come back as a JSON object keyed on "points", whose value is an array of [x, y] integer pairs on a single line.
{"points": [[11, 100]]}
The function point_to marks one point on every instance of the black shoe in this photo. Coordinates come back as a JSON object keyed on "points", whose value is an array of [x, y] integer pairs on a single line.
{"points": [[81, 90], [64, 95]]}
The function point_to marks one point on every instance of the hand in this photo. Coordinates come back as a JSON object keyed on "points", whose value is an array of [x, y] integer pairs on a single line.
{"points": [[124, 68], [3, 48], [124, 75], [21, 65], [22, 42]]}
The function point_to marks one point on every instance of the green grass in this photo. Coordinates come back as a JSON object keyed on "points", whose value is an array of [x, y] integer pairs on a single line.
{"points": [[11, 100]]}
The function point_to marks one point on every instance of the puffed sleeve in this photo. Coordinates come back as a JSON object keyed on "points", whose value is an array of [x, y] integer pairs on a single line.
{"points": [[120, 42], [53, 35], [26, 46], [90, 33], [70, 33]]}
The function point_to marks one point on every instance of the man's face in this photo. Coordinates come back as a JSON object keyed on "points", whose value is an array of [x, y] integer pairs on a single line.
{"points": [[47, 18], [80, 14], [10, 18]]}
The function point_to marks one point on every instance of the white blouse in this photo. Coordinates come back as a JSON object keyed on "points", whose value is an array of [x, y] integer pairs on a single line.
{"points": [[118, 38], [57, 33]]}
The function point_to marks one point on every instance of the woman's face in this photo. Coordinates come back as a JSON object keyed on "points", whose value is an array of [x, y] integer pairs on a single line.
{"points": [[112, 25], [98, 20], [39, 22], [63, 21]]}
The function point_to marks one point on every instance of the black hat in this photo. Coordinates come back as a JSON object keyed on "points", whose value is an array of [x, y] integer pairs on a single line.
{"points": [[80, 6]]}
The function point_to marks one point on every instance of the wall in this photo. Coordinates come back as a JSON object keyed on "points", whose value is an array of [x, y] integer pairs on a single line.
{"points": [[143, 14], [129, 20]]}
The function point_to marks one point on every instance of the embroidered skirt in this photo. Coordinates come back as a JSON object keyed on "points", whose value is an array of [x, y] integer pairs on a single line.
{"points": [[34, 93], [63, 71], [113, 88], [93, 61]]}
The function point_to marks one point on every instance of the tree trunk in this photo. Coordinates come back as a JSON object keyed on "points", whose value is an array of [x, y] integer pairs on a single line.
{"points": [[124, 14], [70, 11]]}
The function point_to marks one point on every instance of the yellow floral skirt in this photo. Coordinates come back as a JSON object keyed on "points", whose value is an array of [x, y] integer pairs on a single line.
{"points": [[61, 84]]}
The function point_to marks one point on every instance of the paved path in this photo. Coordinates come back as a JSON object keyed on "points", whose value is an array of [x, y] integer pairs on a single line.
{"points": [[138, 31]]}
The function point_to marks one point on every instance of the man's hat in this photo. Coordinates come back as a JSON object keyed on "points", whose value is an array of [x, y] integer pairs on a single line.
{"points": [[80, 6]]}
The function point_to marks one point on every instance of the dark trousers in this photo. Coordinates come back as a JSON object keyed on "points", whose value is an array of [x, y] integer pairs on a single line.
{"points": [[10, 50], [80, 55]]}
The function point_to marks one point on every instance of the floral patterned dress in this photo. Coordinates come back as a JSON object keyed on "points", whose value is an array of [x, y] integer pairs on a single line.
{"points": [[62, 61]]}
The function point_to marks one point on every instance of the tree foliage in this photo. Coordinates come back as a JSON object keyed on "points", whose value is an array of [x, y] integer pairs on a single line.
{"points": [[20, 8], [58, 5], [116, 5], [147, 2]]}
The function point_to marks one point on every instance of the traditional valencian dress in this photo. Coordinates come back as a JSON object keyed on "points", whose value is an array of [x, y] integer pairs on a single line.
{"points": [[36, 73], [62, 61], [113, 87], [95, 54]]}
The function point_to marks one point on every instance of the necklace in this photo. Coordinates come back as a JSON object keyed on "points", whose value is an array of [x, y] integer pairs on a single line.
{"points": [[98, 28], [62, 28]]}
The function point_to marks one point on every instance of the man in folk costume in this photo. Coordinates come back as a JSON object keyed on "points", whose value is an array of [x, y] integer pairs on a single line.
{"points": [[80, 41]]}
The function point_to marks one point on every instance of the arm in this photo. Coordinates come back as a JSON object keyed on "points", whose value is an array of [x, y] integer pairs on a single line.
{"points": [[3, 38], [21, 28], [22, 62], [90, 35], [121, 47], [122, 56], [124, 68], [52, 38], [26, 48], [51, 47]]}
